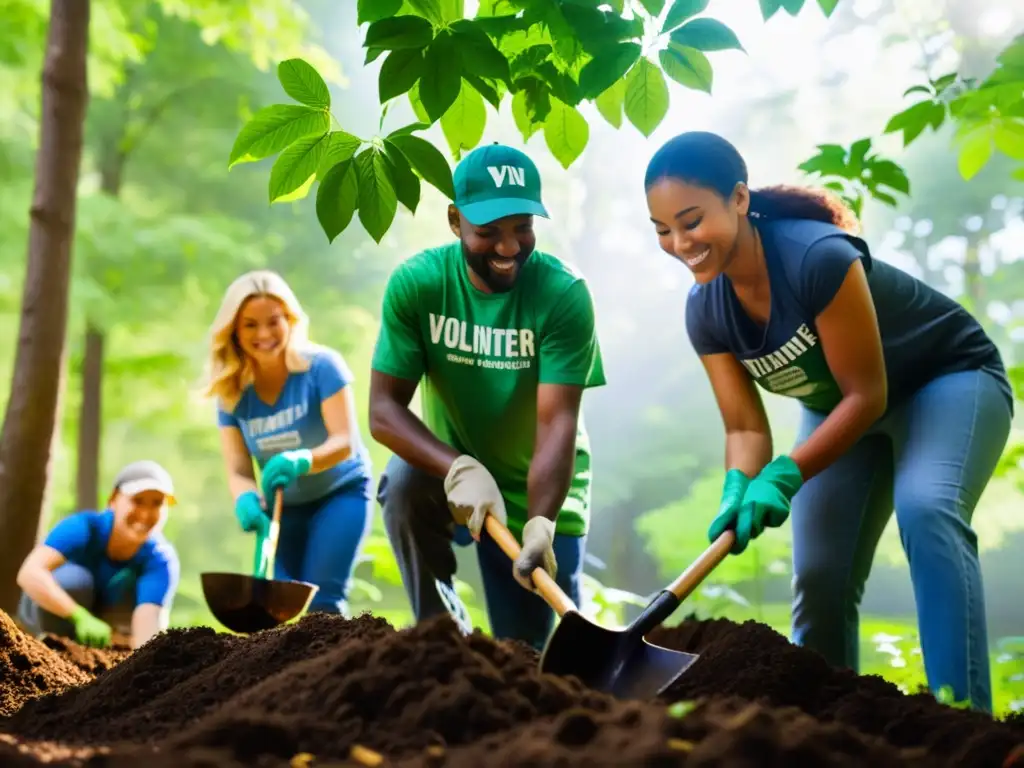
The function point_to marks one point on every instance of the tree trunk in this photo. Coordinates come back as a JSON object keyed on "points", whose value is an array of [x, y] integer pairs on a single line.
{"points": [[90, 422], [30, 419], [90, 415]]}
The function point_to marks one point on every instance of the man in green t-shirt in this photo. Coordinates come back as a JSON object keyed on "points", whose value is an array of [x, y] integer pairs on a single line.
{"points": [[503, 338]]}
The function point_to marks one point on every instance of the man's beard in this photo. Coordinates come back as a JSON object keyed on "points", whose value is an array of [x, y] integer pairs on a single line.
{"points": [[496, 282]]}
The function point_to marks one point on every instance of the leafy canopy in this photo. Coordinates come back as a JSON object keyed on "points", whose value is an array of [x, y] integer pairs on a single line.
{"points": [[549, 57]]}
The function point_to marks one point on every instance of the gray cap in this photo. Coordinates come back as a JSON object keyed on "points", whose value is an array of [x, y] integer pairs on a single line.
{"points": [[142, 476]]}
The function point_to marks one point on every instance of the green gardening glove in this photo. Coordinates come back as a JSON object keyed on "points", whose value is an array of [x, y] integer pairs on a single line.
{"points": [[89, 630], [767, 500], [729, 508], [283, 469]]}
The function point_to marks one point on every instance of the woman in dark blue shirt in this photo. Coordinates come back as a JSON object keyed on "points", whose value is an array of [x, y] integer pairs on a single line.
{"points": [[906, 402], [100, 571]]}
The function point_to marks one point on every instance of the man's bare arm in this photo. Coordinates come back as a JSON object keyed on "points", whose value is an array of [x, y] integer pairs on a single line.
{"points": [[393, 424]]}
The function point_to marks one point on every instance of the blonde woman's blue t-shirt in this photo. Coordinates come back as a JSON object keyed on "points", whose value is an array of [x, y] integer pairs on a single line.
{"points": [[295, 421]]}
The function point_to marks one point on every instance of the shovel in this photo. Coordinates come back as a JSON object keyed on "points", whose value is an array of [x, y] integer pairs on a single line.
{"points": [[617, 661], [248, 604]]}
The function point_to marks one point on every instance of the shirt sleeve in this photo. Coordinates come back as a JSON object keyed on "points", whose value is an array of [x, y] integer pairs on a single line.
{"points": [[70, 536], [225, 419], [824, 268], [331, 373], [569, 351], [699, 323], [399, 350], [159, 578]]}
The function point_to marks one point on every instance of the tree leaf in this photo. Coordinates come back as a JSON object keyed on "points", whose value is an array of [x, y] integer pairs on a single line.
{"points": [[520, 113], [375, 10], [378, 202], [610, 103], [769, 8], [913, 120], [1009, 139], [406, 183], [341, 146], [405, 129], [337, 198], [890, 174], [884, 197], [706, 35], [417, 105], [828, 6], [830, 161], [296, 165], [565, 132], [646, 96], [682, 10], [398, 32], [399, 72], [477, 52], [607, 68], [463, 124], [485, 89], [275, 127], [975, 151], [687, 66], [653, 7], [441, 80], [1018, 174], [303, 83], [452, 10], [428, 9], [428, 162]]}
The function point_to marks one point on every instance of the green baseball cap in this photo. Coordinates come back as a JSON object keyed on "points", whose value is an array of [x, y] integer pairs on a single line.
{"points": [[495, 181]]}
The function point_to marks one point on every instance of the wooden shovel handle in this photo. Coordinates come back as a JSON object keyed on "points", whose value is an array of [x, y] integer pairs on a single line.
{"points": [[275, 530], [691, 578], [546, 586]]}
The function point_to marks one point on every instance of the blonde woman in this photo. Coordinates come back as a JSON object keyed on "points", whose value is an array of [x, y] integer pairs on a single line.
{"points": [[287, 404]]}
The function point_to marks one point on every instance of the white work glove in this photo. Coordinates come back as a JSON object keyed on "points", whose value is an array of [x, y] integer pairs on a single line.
{"points": [[537, 552], [473, 494]]}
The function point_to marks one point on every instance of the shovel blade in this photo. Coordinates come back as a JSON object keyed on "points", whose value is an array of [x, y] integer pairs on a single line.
{"points": [[616, 661], [456, 608], [648, 670], [581, 648], [246, 604]]}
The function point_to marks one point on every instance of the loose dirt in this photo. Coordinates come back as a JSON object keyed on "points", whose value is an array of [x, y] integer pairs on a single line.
{"points": [[329, 691]]}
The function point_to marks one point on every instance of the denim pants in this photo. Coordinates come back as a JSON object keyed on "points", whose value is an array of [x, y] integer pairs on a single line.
{"points": [[320, 541], [930, 458], [422, 531], [79, 583]]}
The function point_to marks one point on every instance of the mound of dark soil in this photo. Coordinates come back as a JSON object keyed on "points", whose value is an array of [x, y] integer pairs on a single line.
{"points": [[29, 669], [753, 661], [92, 661], [330, 691]]}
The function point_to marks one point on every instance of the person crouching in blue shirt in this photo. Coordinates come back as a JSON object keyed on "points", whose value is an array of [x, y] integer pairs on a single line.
{"points": [[288, 403], [97, 572]]}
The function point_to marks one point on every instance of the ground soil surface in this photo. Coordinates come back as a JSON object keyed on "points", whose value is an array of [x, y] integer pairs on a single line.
{"points": [[328, 691]]}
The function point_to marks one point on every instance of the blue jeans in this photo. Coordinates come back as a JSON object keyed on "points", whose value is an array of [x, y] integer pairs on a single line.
{"points": [[421, 530], [320, 541], [80, 584], [930, 458]]}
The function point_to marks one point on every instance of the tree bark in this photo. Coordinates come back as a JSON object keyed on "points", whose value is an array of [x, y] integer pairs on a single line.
{"points": [[30, 418], [90, 413], [90, 421]]}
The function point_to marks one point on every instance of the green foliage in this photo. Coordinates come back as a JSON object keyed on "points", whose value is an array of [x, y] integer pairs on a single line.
{"points": [[368, 177], [547, 57], [1008, 670], [857, 170], [989, 115]]}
